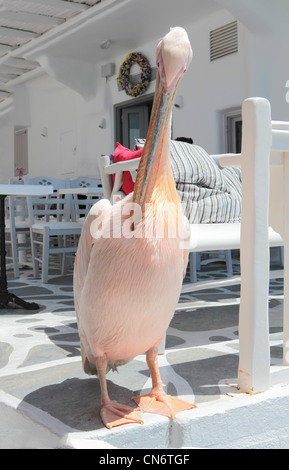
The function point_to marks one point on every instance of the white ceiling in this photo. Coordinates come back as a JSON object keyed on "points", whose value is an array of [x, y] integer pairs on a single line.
{"points": [[130, 24], [80, 26], [24, 21]]}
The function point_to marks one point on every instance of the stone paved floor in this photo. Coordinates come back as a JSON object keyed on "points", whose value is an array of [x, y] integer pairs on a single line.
{"points": [[40, 362]]}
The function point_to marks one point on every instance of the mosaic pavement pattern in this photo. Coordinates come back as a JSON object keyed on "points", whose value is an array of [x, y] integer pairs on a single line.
{"points": [[40, 362]]}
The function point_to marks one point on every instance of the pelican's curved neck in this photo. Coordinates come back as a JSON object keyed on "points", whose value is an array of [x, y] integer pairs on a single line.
{"points": [[155, 157]]}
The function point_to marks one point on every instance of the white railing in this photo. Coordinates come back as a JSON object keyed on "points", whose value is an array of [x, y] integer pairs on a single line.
{"points": [[265, 202]]}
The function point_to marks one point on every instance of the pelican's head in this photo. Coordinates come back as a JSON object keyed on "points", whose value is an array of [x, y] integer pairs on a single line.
{"points": [[174, 55]]}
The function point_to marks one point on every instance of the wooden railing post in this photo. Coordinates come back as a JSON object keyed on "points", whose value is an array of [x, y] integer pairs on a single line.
{"points": [[254, 361]]}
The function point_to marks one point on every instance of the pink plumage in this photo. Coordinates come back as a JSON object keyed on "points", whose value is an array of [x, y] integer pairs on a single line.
{"points": [[130, 264]]}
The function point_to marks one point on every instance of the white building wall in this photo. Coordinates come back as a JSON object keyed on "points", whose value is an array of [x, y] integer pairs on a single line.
{"points": [[64, 137], [209, 88], [269, 66], [53, 121]]}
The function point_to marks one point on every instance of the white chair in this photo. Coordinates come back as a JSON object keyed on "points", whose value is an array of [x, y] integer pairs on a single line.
{"points": [[51, 230], [204, 237], [112, 189], [17, 231], [80, 204]]}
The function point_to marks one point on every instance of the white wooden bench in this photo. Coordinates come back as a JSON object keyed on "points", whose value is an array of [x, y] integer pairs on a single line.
{"points": [[265, 169], [204, 237]]}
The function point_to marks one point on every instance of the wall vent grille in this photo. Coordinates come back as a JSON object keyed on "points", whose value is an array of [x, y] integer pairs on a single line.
{"points": [[224, 41]]}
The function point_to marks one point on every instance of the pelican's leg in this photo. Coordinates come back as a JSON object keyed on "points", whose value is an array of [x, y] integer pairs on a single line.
{"points": [[113, 413], [157, 401]]}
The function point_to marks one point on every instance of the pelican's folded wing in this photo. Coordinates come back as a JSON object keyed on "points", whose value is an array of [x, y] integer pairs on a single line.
{"points": [[98, 213]]}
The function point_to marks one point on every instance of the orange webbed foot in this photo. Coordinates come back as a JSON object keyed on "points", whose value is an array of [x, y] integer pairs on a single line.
{"points": [[115, 414], [162, 404]]}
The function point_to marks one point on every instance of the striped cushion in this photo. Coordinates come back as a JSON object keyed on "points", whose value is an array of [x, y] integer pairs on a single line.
{"points": [[209, 194]]}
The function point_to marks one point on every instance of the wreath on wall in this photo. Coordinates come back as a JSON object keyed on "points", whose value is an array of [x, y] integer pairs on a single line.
{"points": [[124, 78]]}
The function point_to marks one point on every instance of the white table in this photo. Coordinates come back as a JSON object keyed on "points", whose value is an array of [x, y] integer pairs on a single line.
{"points": [[88, 191], [14, 190]]}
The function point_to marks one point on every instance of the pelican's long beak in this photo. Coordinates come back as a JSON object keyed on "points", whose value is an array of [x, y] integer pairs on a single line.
{"points": [[173, 56]]}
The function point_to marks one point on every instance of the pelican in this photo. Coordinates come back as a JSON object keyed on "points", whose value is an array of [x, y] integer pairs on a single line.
{"points": [[130, 260]]}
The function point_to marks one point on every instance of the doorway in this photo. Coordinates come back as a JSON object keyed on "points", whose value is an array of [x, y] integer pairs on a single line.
{"points": [[132, 120], [233, 130], [20, 150], [234, 134]]}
